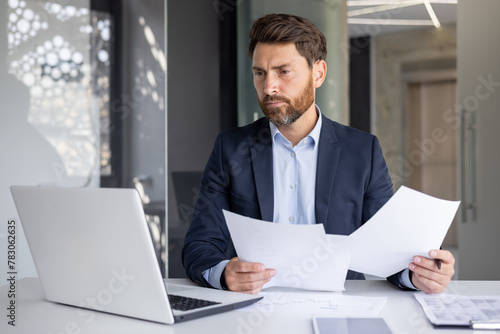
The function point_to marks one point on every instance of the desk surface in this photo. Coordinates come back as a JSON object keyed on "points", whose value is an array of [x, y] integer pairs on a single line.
{"points": [[402, 313]]}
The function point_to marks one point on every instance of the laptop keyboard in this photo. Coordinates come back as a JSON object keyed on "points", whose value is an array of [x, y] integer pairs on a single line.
{"points": [[182, 303]]}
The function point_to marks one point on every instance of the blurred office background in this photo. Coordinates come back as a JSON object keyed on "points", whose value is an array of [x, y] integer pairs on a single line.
{"points": [[124, 93]]}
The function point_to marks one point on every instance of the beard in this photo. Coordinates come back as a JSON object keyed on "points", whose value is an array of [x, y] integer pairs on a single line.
{"points": [[292, 110]]}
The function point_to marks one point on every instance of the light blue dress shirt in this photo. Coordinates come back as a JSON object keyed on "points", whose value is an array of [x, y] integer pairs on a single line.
{"points": [[294, 175]]}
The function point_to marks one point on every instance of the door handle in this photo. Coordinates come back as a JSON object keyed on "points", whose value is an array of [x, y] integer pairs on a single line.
{"points": [[468, 165]]}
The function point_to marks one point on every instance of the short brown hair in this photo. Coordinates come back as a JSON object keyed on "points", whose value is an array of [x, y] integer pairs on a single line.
{"points": [[284, 28]]}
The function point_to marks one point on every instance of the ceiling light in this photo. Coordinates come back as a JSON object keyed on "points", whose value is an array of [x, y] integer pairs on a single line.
{"points": [[432, 14], [383, 8], [390, 22], [354, 3]]}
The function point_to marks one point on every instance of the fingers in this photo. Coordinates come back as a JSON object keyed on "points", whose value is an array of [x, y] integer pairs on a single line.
{"points": [[426, 274], [443, 255], [247, 277], [427, 285], [430, 265]]}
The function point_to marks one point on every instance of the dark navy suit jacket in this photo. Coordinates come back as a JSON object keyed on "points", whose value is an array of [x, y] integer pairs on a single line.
{"points": [[352, 183]]}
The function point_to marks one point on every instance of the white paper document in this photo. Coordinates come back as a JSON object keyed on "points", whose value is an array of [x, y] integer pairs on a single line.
{"points": [[455, 310], [410, 223], [303, 255], [318, 304]]}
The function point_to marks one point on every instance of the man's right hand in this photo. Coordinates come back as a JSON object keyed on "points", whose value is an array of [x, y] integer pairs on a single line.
{"points": [[248, 277]]}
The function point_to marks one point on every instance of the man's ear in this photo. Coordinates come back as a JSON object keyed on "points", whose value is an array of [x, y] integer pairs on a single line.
{"points": [[319, 73]]}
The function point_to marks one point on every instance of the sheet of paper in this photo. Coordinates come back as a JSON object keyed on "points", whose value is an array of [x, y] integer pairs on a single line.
{"points": [[303, 255], [318, 304], [447, 310], [410, 223]]}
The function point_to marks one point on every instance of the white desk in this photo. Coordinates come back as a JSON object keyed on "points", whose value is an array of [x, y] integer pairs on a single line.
{"points": [[401, 312]]}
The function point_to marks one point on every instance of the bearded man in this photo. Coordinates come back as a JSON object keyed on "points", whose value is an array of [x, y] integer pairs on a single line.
{"points": [[293, 166]]}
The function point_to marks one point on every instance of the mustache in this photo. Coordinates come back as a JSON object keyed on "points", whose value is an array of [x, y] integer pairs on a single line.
{"points": [[275, 98]]}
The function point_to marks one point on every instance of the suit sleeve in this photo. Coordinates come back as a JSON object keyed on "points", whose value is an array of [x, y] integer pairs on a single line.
{"points": [[207, 239]]}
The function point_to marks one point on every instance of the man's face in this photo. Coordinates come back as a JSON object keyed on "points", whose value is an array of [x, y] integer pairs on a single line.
{"points": [[283, 82]]}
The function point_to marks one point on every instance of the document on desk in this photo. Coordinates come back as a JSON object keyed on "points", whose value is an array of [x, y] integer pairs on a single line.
{"points": [[410, 223], [304, 256], [457, 310], [319, 304]]}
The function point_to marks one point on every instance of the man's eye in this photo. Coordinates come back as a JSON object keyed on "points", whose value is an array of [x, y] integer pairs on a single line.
{"points": [[285, 71], [258, 74]]}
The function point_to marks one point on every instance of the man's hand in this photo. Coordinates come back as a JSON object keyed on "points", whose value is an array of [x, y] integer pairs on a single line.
{"points": [[426, 275], [246, 277]]}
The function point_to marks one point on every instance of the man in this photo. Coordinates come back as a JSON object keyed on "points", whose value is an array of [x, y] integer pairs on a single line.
{"points": [[294, 166]]}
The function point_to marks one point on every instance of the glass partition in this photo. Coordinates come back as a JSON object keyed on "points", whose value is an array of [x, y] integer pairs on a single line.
{"points": [[82, 86], [54, 77]]}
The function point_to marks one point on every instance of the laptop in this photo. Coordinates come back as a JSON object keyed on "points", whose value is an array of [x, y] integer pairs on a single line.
{"points": [[92, 249]]}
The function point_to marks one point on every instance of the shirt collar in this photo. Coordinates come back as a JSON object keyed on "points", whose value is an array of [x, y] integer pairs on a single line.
{"points": [[314, 134]]}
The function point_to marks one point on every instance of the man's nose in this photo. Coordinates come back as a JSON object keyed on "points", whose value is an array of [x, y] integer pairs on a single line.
{"points": [[271, 85]]}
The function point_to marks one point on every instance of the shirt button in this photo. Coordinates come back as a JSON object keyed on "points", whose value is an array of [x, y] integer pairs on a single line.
{"points": [[292, 154], [305, 141], [292, 186], [291, 219]]}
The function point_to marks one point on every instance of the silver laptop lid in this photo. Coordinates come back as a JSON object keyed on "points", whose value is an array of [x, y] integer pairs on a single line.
{"points": [[92, 249]]}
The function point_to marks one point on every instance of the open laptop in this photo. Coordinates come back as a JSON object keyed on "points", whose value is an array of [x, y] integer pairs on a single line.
{"points": [[92, 249]]}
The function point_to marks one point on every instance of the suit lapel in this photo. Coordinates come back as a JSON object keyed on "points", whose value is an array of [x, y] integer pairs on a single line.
{"points": [[261, 154], [328, 159]]}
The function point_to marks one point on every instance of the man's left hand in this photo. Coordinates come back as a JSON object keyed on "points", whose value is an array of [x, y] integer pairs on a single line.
{"points": [[427, 276]]}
